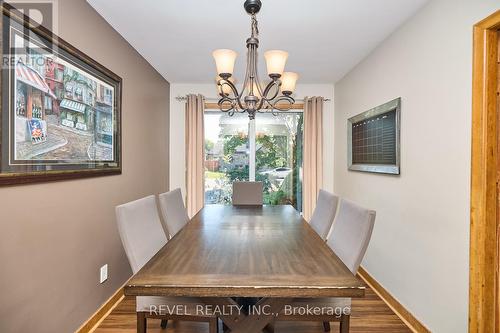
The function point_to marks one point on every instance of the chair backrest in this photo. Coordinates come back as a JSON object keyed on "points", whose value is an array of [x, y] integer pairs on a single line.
{"points": [[173, 211], [324, 213], [140, 230], [352, 230], [248, 193]]}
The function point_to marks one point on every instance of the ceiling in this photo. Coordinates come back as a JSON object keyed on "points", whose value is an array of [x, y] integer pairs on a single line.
{"points": [[325, 38]]}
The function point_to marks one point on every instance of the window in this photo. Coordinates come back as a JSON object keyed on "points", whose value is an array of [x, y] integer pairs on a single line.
{"points": [[267, 149]]}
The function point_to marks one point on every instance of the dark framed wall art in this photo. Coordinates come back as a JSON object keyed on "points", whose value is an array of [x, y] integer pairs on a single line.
{"points": [[60, 114], [374, 139]]}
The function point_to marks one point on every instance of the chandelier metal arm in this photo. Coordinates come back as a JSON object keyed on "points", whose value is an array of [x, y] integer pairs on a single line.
{"points": [[268, 88], [274, 104], [258, 82], [229, 110], [252, 61], [236, 100], [247, 74], [290, 101]]}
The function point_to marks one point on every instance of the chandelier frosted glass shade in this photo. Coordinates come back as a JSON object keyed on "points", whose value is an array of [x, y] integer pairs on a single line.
{"points": [[288, 82], [224, 60], [275, 61]]}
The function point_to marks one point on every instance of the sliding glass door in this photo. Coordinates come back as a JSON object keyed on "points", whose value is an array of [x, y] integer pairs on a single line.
{"points": [[267, 149]]}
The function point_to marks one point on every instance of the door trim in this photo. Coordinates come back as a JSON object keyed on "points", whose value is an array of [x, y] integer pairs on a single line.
{"points": [[483, 269]]}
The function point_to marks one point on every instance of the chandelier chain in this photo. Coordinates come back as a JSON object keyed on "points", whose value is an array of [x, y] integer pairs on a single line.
{"points": [[255, 27]]}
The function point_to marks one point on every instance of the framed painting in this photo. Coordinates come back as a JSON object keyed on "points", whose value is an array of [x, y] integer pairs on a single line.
{"points": [[61, 111]]}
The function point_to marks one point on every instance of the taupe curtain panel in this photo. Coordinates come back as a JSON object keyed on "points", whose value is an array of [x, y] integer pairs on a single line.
{"points": [[313, 153], [195, 154]]}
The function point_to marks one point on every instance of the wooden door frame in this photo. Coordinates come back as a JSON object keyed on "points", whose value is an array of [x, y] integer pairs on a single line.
{"points": [[483, 284]]}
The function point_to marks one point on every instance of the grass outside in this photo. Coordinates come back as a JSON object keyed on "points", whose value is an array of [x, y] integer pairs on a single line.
{"points": [[214, 175]]}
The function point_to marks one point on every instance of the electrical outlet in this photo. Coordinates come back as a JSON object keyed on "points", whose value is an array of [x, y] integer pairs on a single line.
{"points": [[104, 273]]}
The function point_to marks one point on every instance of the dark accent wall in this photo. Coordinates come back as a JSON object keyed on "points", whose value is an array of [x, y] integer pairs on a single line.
{"points": [[54, 237]]}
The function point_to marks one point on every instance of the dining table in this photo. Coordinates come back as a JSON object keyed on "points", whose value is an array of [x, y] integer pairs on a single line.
{"points": [[268, 253]]}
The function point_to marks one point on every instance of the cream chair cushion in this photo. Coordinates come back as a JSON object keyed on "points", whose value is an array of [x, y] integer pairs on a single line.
{"points": [[142, 237], [140, 230], [351, 233], [324, 213], [247, 193], [173, 211]]}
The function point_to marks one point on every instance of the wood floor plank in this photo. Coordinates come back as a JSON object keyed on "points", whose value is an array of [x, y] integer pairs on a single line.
{"points": [[369, 315]]}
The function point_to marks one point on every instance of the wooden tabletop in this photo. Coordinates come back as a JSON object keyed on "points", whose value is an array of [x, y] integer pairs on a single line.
{"points": [[228, 251]]}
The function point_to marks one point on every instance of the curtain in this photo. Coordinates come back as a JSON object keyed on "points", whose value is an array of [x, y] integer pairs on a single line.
{"points": [[195, 154], [313, 153]]}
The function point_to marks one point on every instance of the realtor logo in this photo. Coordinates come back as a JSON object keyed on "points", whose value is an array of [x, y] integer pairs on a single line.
{"points": [[42, 12]]}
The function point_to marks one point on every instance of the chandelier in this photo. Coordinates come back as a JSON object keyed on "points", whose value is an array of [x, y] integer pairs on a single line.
{"points": [[277, 94]]}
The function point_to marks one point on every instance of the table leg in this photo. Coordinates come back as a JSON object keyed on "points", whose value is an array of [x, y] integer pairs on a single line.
{"points": [[269, 328], [344, 323], [141, 322], [253, 322], [213, 326]]}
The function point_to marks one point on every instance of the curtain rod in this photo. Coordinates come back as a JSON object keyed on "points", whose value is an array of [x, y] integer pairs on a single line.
{"points": [[184, 98]]}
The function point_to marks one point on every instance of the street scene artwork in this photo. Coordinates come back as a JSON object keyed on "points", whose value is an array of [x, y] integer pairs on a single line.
{"points": [[61, 112], [60, 109]]}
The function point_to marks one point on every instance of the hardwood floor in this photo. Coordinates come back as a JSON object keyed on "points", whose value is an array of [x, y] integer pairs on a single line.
{"points": [[369, 314]]}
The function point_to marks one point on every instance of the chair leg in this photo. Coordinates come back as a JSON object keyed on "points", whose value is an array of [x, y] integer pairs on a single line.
{"points": [[269, 328], [326, 326], [344, 323], [141, 322], [224, 328], [164, 323], [213, 325]]}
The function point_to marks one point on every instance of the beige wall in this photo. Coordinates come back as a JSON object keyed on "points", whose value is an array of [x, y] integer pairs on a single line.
{"points": [[177, 128], [420, 245], [55, 236]]}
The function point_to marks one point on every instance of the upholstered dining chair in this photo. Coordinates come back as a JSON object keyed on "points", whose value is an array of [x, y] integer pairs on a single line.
{"points": [[248, 193], [173, 211], [142, 237], [324, 213], [351, 233], [350, 236]]}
